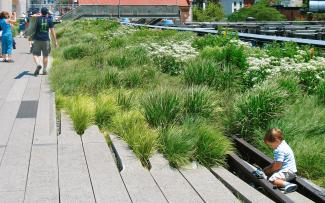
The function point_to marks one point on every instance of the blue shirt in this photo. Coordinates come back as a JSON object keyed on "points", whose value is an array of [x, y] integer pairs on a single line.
{"points": [[6, 28], [43, 24], [283, 153]]}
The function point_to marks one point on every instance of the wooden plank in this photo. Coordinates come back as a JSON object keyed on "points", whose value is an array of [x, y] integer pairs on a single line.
{"points": [[74, 180], [42, 184], [239, 187], [298, 198], [208, 186], [138, 181], [171, 182], [105, 177], [14, 166]]}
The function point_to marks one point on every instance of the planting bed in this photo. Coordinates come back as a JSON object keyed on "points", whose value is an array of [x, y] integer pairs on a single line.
{"points": [[185, 96]]}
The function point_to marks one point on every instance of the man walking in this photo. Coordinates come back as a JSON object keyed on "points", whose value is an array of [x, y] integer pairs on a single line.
{"points": [[41, 40]]}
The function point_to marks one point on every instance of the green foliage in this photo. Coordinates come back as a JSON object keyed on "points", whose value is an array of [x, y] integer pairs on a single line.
{"points": [[212, 146], [105, 109], [132, 127], [132, 77], [124, 99], [255, 109], [177, 146], [321, 92], [260, 11], [81, 111], [278, 50], [199, 101], [212, 41], [213, 12], [77, 51], [161, 107], [168, 64]]}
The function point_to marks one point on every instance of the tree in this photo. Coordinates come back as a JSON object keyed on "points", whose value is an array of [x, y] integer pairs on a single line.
{"points": [[261, 11], [213, 12]]}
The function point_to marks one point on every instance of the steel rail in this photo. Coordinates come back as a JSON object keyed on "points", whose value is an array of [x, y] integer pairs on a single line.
{"points": [[244, 36]]}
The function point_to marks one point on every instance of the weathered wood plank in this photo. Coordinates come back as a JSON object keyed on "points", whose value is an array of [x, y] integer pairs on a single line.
{"points": [[74, 179], [106, 180], [12, 196], [171, 182], [298, 198], [208, 186], [238, 186], [138, 181]]}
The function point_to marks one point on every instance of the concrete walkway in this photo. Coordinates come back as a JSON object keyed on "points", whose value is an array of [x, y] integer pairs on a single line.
{"points": [[36, 165]]}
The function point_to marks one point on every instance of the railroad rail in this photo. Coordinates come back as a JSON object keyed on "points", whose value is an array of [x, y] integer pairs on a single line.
{"points": [[254, 38]]}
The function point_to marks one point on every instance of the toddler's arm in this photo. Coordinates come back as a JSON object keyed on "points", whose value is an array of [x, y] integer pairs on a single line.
{"points": [[275, 166]]}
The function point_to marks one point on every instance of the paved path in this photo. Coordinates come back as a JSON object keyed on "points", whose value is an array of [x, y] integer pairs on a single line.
{"points": [[36, 165]]}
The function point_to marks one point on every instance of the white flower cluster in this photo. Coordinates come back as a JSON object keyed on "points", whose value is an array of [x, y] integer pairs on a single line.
{"points": [[240, 43], [270, 66], [181, 50], [122, 31]]}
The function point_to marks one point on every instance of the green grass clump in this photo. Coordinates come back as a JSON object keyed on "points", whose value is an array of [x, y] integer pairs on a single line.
{"points": [[199, 101], [105, 109], [111, 77], [212, 146], [177, 146], [132, 78], [321, 92], [201, 72], [81, 111], [161, 107], [119, 59], [168, 64], [124, 99], [132, 127], [212, 41], [77, 51], [255, 109]]}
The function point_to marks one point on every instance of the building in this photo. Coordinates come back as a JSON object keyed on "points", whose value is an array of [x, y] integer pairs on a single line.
{"points": [[184, 5], [289, 8], [230, 6]]}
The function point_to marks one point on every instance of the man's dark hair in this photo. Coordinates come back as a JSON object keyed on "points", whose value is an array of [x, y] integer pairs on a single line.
{"points": [[44, 11]]}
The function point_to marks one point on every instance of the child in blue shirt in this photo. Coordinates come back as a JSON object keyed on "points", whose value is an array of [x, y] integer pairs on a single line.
{"points": [[283, 169], [7, 40]]}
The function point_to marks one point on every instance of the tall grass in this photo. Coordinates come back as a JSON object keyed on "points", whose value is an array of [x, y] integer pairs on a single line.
{"points": [[161, 107], [81, 111], [199, 101], [105, 109], [77, 51], [132, 127], [321, 92], [124, 99], [255, 109]]}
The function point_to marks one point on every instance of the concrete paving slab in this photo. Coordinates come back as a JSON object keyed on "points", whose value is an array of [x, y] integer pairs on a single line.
{"points": [[238, 186], [138, 180], [27, 109], [17, 90], [14, 165], [74, 178], [8, 114], [208, 186], [45, 130], [171, 182], [12, 197], [298, 198], [43, 181], [107, 183], [32, 91]]}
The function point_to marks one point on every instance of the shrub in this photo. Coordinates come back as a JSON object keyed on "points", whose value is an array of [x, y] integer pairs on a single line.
{"points": [[132, 127], [211, 147], [256, 109], [213, 12], [177, 146], [212, 41], [105, 109], [199, 102], [278, 50], [81, 111], [77, 51], [261, 11], [161, 107], [168, 64]]}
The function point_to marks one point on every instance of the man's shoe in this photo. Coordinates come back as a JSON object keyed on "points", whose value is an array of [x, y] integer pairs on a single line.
{"points": [[38, 68], [290, 188], [44, 71]]}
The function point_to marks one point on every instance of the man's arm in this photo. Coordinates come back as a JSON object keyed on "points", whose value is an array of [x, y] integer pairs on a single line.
{"points": [[53, 34]]}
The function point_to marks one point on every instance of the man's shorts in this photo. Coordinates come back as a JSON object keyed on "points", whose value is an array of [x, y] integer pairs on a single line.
{"points": [[285, 175], [41, 48]]}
